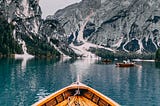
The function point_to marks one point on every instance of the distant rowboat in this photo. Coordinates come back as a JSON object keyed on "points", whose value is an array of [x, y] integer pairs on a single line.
{"points": [[106, 61], [77, 94], [125, 64]]}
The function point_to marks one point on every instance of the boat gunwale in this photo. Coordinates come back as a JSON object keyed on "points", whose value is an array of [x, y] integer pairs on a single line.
{"points": [[76, 86]]}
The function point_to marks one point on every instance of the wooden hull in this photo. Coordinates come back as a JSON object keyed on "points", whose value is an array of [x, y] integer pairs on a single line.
{"points": [[125, 64], [76, 94]]}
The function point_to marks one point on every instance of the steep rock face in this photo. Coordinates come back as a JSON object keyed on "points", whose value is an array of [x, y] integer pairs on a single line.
{"points": [[130, 25], [72, 17], [29, 27], [54, 33], [24, 14], [126, 25]]}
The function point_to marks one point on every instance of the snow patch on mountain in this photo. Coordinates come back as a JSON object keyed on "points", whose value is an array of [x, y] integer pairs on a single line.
{"points": [[14, 34], [125, 45], [83, 50], [118, 44], [36, 26], [140, 47], [8, 1], [80, 34], [25, 5]]}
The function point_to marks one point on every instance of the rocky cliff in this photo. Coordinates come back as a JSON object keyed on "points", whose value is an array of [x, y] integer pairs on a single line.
{"points": [[122, 25], [24, 14], [30, 30]]}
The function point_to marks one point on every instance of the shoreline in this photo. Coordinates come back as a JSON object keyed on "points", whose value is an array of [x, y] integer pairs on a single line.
{"points": [[23, 56], [144, 60]]}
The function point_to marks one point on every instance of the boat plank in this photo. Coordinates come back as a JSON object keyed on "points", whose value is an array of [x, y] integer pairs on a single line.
{"points": [[87, 102], [75, 100], [52, 102]]}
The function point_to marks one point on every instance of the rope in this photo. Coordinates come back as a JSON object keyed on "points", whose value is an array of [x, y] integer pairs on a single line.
{"points": [[77, 92]]}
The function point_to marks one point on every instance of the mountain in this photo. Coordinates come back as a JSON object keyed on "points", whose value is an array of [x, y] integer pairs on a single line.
{"points": [[115, 26], [131, 26]]}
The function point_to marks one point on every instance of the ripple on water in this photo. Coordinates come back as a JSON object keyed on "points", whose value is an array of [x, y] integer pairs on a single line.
{"points": [[42, 93]]}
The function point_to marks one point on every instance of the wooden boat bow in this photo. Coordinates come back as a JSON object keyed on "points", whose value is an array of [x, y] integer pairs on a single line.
{"points": [[76, 94]]}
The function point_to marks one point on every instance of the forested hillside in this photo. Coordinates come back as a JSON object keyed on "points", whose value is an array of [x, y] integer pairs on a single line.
{"points": [[7, 43]]}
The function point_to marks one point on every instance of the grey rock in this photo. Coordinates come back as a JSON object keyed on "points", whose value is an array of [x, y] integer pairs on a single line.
{"points": [[122, 25], [24, 14]]}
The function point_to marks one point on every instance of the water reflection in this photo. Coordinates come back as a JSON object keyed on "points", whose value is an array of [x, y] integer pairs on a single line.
{"points": [[40, 78], [19, 80], [81, 68], [157, 65], [23, 65], [139, 75]]}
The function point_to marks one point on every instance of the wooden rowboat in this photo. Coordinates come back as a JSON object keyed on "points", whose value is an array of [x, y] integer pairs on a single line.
{"points": [[125, 64], [77, 94], [106, 61]]}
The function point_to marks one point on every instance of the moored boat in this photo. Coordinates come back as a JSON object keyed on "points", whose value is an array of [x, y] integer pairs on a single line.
{"points": [[106, 61], [125, 64], [76, 94], [131, 64]]}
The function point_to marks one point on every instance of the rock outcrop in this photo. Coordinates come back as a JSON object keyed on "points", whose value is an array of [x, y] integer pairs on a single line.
{"points": [[24, 14]]}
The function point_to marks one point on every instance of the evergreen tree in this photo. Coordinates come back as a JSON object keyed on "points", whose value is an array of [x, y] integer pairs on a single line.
{"points": [[8, 45], [158, 55]]}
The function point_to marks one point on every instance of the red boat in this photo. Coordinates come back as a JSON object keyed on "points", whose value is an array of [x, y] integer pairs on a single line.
{"points": [[125, 64]]}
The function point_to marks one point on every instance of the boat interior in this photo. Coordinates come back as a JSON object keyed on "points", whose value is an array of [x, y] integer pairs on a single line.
{"points": [[76, 97]]}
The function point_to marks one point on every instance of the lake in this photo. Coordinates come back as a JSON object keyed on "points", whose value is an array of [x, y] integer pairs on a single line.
{"points": [[23, 82]]}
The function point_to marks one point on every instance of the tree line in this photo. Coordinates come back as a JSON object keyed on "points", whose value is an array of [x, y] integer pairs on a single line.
{"points": [[7, 43], [9, 46]]}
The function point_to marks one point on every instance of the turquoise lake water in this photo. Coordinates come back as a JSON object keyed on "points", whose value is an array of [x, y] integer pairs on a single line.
{"points": [[23, 82]]}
